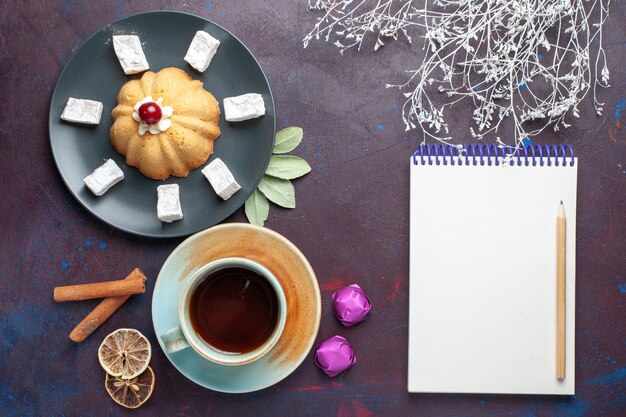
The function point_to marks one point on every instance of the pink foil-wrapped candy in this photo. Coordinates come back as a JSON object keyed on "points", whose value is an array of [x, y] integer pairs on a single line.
{"points": [[334, 356], [351, 305]]}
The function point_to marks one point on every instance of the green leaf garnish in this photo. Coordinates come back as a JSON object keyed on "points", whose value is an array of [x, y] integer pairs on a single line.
{"points": [[257, 208], [287, 167], [278, 191], [288, 139]]}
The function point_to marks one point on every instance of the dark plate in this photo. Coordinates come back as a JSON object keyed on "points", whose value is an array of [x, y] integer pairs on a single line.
{"points": [[94, 73]]}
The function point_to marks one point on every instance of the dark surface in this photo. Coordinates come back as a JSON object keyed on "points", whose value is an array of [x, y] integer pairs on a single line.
{"points": [[351, 222], [130, 206]]}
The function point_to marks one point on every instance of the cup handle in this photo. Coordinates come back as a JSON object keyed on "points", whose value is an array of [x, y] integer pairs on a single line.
{"points": [[174, 340]]}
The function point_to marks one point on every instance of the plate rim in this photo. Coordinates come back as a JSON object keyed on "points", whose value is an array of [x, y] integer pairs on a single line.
{"points": [[136, 232], [224, 229]]}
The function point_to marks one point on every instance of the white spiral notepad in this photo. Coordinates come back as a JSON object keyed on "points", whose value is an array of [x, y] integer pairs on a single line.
{"points": [[483, 303]]}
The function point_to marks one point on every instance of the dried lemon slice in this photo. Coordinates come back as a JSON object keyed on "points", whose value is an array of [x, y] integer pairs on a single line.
{"points": [[125, 353], [130, 393]]}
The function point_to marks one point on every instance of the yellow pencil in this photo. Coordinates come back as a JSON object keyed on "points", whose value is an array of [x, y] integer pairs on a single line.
{"points": [[560, 293]]}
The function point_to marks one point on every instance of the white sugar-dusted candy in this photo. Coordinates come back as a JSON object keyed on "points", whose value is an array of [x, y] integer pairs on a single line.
{"points": [[221, 179], [82, 111], [201, 50], [104, 177], [130, 54], [244, 107], [168, 203]]}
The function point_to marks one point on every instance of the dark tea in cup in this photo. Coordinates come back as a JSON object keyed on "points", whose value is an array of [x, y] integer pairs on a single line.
{"points": [[234, 309]]}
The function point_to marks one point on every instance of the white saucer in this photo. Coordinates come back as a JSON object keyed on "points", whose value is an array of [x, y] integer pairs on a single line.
{"points": [[296, 277]]}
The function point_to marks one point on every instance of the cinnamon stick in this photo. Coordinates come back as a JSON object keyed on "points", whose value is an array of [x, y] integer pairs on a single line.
{"points": [[103, 311], [99, 315], [133, 284]]}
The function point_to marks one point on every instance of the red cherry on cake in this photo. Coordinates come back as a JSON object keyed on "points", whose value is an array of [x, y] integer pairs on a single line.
{"points": [[150, 113]]}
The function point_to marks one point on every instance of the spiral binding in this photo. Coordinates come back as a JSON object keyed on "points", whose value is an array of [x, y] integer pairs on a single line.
{"points": [[480, 154]]}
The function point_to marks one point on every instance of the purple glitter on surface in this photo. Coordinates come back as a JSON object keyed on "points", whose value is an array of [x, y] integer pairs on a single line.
{"points": [[335, 355], [351, 305]]}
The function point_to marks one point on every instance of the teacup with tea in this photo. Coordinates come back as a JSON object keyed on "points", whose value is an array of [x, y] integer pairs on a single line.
{"points": [[232, 311]]}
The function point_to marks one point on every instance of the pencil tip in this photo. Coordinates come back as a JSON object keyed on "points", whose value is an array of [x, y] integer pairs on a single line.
{"points": [[561, 201]]}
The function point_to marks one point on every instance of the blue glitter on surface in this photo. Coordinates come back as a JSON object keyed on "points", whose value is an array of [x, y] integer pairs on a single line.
{"points": [[394, 106], [65, 265], [609, 378], [380, 127], [622, 288], [619, 106], [574, 408], [209, 5], [318, 154], [539, 57], [103, 245], [527, 142]]}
